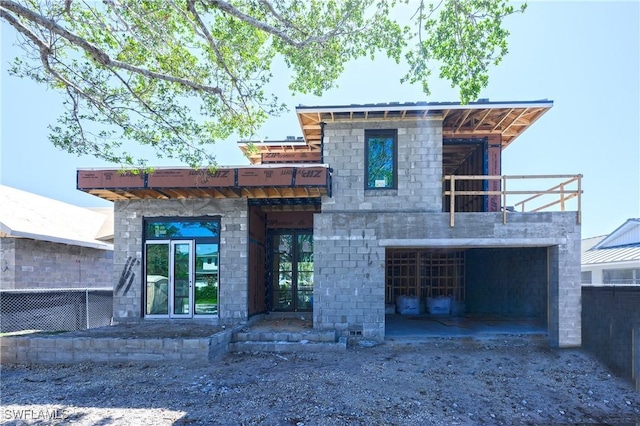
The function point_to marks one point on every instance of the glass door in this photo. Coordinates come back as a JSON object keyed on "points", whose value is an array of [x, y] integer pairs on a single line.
{"points": [[181, 279], [157, 274], [292, 263], [304, 272], [181, 267], [206, 288]]}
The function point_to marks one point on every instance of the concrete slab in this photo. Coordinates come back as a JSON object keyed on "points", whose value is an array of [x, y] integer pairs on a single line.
{"points": [[400, 327]]}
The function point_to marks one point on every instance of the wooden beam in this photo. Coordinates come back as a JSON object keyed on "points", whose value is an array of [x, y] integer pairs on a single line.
{"points": [[481, 120], [516, 119], [464, 117], [503, 118]]}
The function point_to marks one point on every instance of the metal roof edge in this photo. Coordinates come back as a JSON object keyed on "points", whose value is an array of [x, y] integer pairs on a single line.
{"points": [[246, 166], [614, 234], [82, 243], [5, 229], [607, 261], [421, 106]]}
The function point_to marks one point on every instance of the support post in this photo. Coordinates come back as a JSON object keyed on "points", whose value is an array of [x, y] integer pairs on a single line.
{"points": [[452, 201]]}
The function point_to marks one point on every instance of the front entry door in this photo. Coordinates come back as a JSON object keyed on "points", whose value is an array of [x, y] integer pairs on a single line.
{"points": [[292, 271], [181, 279]]}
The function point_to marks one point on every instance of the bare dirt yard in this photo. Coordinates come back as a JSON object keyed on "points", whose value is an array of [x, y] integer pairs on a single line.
{"points": [[503, 380]]}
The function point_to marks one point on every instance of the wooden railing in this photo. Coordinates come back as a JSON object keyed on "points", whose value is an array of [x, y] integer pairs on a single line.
{"points": [[569, 188]]}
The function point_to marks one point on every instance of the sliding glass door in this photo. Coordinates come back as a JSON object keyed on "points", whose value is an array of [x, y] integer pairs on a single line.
{"points": [[181, 274]]}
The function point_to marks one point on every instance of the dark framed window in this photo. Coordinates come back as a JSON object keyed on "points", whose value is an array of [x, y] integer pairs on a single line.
{"points": [[381, 159]]}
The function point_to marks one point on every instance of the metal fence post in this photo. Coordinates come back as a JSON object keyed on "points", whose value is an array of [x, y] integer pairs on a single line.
{"points": [[86, 301]]}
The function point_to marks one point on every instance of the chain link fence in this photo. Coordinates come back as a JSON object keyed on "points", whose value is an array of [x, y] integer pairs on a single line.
{"points": [[55, 309]]}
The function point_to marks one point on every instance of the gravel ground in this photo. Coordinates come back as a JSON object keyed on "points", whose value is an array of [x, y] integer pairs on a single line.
{"points": [[505, 380]]}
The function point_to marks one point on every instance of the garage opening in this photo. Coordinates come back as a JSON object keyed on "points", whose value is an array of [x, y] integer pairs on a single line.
{"points": [[468, 288]]}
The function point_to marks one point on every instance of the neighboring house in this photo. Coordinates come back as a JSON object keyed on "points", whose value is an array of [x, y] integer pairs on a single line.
{"points": [[374, 204], [46, 244], [613, 258]]}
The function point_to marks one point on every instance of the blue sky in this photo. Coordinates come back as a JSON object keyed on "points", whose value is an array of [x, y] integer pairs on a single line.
{"points": [[585, 56]]}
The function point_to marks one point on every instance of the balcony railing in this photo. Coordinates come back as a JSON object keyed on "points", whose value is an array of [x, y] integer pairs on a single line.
{"points": [[514, 193]]}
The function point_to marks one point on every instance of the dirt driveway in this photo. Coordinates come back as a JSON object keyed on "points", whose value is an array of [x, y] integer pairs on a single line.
{"points": [[497, 381]]}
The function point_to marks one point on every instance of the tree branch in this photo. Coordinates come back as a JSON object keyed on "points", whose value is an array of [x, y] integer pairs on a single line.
{"points": [[99, 55], [234, 79], [233, 11]]}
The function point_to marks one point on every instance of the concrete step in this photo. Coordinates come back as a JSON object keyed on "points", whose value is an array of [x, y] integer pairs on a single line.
{"points": [[280, 336], [283, 346]]}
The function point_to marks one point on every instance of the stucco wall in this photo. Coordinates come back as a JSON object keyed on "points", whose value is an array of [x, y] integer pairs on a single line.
{"points": [[233, 292], [597, 270], [34, 264]]}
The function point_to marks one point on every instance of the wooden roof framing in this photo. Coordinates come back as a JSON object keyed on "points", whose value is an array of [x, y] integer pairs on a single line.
{"points": [[508, 119], [292, 168]]}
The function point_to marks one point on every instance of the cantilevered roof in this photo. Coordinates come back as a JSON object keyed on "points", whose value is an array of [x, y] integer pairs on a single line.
{"points": [[508, 119], [264, 181], [291, 150], [27, 215]]}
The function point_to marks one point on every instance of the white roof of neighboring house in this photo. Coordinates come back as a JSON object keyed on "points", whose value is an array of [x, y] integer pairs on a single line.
{"points": [[588, 243], [622, 245], [27, 215]]}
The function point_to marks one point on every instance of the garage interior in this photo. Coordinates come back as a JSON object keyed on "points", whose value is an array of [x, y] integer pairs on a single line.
{"points": [[479, 288]]}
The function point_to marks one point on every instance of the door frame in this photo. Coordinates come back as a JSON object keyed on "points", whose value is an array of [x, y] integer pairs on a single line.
{"points": [[172, 279], [271, 271], [172, 231]]}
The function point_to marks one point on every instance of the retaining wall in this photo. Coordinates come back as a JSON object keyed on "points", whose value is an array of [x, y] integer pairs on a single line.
{"points": [[59, 349]]}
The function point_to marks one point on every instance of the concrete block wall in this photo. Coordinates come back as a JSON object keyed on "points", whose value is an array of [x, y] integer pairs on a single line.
{"points": [[349, 288], [509, 282], [128, 292], [35, 264], [7, 258], [63, 349], [349, 268], [611, 328], [419, 167]]}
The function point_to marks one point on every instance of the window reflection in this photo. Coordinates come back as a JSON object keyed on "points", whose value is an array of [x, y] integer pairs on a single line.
{"points": [[177, 229], [206, 291], [381, 152]]}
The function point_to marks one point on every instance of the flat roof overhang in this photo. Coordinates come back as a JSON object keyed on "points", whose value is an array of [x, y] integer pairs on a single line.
{"points": [[293, 150], [508, 119], [253, 182]]}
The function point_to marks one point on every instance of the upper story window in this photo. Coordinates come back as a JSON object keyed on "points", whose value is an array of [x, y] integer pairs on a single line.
{"points": [[381, 154]]}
